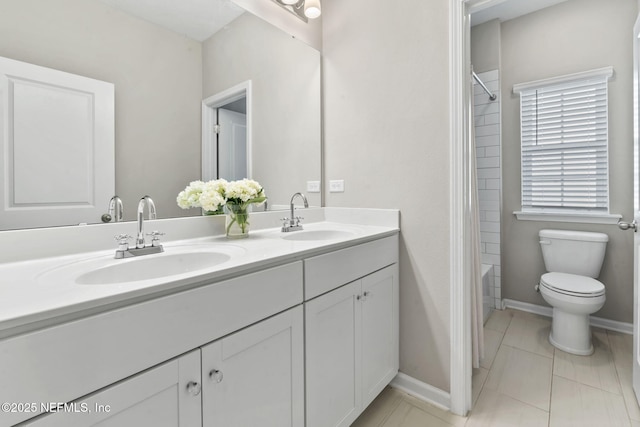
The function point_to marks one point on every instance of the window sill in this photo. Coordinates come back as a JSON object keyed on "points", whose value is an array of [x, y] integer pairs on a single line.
{"points": [[587, 218]]}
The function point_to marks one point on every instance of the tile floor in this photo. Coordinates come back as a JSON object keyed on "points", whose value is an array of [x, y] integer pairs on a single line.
{"points": [[524, 381]]}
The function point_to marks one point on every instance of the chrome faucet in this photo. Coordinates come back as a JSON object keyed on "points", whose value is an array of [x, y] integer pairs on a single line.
{"points": [[115, 210], [124, 251], [146, 200], [293, 223]]}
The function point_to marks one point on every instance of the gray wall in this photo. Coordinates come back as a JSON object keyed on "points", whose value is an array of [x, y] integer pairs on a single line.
{"points": [[285, 75], [485, 46], [574, 36], [157, 76], [386, 98]]}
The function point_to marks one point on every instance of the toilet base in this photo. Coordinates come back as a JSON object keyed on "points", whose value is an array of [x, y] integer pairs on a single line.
{"points": [[571, 333]]}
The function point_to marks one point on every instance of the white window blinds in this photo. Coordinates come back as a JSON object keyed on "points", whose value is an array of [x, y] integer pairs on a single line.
{"points": [[564, 137]]}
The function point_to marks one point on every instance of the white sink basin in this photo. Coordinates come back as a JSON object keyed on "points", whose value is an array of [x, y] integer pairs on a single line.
{"points": [[105, 270], [150, 267], [307, 235]]}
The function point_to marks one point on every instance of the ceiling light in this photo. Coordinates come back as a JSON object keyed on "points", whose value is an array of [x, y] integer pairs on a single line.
{"points": [[312, 9], [303, 9]]}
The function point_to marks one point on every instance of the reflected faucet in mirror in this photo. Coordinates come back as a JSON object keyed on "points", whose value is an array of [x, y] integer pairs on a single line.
{"points": [[293, 222], [115, 211]]}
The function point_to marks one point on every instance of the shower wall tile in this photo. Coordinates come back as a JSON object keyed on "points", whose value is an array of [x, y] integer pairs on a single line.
{"points": [[494, 227], [490, 173], [491, 118], [490, 216], [492, 248], [487, 129], [493, 151], [487, 140], [488, 162], [489, 195], [490, 238], [491, 184], [490, 259]]}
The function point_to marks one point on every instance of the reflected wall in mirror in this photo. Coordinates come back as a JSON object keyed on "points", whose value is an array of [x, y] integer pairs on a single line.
{"points": [[285, 101], [159, 76]]}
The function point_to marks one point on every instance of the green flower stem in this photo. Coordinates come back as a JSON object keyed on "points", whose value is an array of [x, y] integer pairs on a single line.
{"points": [[241, 217], [238, 212]]}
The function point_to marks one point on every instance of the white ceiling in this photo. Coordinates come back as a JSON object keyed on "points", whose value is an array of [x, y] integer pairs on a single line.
{"points": [[199, 19], [504, 10], [196, 19]]}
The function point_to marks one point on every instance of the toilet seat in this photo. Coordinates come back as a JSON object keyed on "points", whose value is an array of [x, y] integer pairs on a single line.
{"points": [[572, 284]]}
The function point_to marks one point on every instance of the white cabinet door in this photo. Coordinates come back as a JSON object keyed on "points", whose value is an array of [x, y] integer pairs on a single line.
{"points": [[165, 396], [332, 347], [380, 331], [255, 377], [351, 338]]}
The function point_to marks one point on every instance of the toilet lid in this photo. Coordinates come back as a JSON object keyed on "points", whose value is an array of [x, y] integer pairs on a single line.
{"points": [[572, 284]]}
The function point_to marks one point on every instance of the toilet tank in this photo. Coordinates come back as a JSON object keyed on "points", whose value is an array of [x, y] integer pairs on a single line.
{"points": [[574, 252]]}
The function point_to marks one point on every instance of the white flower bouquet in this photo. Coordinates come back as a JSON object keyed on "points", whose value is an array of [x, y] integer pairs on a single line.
{"points": [[235, 195], [206, 195]]}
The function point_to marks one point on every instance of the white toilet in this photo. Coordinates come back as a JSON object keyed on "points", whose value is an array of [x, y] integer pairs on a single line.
{"points": [[573, 260]]}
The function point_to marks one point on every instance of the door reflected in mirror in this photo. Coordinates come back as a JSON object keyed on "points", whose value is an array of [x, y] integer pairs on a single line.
{"points": [[231, 159]]}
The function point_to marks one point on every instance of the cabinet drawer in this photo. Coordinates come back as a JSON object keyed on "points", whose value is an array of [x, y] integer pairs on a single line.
{"points": [[329, 271], [65, 362]]}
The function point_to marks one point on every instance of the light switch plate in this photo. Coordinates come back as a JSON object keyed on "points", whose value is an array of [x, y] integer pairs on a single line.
{"points": [[336, 186], [313, 186]]}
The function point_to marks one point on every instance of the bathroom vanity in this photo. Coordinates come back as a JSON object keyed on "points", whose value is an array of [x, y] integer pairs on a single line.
{"points": [[277, 317]]}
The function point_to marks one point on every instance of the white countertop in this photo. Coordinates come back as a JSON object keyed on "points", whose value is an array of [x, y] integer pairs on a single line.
{"points": [[38, 292]]}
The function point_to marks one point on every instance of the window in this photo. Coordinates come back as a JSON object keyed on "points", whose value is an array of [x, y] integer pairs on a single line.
{"points": [[564, 144]]}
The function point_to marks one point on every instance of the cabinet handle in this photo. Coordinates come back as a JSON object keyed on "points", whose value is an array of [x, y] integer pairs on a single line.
{"points": [[194, 388], [367, 294], [216, 375]]}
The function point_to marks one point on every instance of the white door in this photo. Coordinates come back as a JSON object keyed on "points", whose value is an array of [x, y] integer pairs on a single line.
{"points": [[636, 209], [165, 396], [57, 157], [333, 353], [255, 377], [380, 329], [232, 145]]}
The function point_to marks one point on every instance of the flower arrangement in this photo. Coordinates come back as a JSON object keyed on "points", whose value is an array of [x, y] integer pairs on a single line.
{"points": [[235, 195], [206, 195]]}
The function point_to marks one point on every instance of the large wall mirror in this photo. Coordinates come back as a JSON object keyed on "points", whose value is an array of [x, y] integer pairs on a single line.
{"points": [[163, 64]]}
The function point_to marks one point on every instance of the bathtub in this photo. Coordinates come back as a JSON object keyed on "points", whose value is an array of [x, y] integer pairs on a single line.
{"points": [[487, 286]]}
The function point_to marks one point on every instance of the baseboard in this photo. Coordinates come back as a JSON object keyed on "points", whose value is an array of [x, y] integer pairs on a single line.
{"points": [[597, 322], [422, 391]]}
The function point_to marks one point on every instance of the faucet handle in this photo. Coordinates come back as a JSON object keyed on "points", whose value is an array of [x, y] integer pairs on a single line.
{"points": [[123, 241], [298, 218], [284, 220], [155, 237]]}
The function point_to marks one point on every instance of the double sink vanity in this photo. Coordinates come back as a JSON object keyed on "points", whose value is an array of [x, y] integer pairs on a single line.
{"points": [[279, 329]]}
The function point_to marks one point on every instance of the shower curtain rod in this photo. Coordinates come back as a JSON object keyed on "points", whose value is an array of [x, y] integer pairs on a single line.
{"points": [[492, 96]]}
